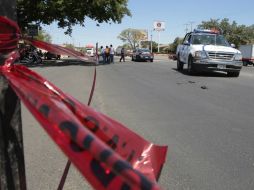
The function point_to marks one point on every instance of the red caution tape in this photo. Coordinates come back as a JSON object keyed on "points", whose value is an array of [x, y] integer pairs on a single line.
{"points": [[9, 35], [108, 154], [56, 49]]}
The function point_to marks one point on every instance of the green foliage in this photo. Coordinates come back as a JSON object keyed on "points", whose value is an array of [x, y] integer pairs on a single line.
{"points": [[234, 33], [164, 50], [68, 13], [131, 36], [43, 36], [82, 49], [71, 46], [173, 46], [147, 44], [126, 46]]}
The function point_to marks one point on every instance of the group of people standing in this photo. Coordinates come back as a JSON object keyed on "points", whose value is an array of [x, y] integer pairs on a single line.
{"points": [[108, 53]]}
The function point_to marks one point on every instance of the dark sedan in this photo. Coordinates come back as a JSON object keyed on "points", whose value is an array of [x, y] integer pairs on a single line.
{"points": [[142, 54]]}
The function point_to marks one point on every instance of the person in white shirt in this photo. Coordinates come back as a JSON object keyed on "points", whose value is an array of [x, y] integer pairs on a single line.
{"points": [[112, 53], [103, 54]]}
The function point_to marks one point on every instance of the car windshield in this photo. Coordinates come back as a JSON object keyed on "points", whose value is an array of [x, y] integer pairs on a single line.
{"points": [[210, 39], [144, 50]]}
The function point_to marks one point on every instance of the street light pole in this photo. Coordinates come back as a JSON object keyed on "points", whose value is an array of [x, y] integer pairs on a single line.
{"points": [[158, 41], [151, 42]]}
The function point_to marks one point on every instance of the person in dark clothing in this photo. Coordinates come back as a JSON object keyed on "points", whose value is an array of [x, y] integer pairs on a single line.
{"points": [[107, 54], [122, 55]]}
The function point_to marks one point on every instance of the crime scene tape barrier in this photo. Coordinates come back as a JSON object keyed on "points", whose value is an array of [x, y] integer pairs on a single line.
{"points": [[109, 155]]}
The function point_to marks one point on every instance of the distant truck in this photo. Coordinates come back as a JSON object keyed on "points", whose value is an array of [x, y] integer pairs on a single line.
{"points": [[118, 51], [127, 52], [208, 50], [90, 50], [248, 54]]}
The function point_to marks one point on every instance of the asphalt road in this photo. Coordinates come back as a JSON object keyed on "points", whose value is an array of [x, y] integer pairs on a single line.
{"points": [[206, 121]]}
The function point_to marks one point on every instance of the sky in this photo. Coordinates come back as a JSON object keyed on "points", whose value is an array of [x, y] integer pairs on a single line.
{"points": [[175, 14]]}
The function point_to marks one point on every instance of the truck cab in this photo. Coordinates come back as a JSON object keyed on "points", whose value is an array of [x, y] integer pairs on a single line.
{"points": [[90, 50], [208, 50]]}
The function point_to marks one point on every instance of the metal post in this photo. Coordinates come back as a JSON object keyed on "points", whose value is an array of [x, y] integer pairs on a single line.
{"points": [[158, 41], [97, 54], [191, 23], [12, 164], [186, 28]]}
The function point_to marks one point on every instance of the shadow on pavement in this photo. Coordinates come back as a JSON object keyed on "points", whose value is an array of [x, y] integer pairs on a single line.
{"points": [[204, 74]]}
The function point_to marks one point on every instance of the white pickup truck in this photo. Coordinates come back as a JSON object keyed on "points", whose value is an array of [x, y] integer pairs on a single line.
{"points": [[208, 50]]}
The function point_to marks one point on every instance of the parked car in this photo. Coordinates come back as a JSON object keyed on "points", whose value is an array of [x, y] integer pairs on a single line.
{"points": [[172, 56], [49, 55], [142, 54]]}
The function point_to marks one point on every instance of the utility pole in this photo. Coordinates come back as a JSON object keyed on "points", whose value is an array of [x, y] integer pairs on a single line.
{"points": [[191, 23], [186, 28], [73, 42], [158, 41], [12, 163], [151, 41]]}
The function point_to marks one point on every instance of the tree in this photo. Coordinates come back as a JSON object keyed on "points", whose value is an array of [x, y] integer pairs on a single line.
{"points": [[131, 36], [68, 13], [147, 44], [234, 33], [12, 161], [126, 46], [173, 46], [43, 36], [70, 46]]}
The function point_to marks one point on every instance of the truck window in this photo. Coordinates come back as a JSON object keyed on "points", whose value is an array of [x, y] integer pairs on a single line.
{"points": [[189, 38], [186, 37], [209, 39]]}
